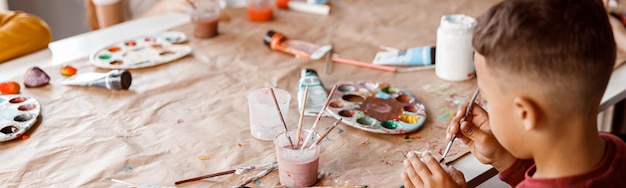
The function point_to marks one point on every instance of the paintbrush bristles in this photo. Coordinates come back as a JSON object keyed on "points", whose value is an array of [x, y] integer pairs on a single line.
{"points": [[299, 133], [319, 116], [326, 133], [281, 118]]}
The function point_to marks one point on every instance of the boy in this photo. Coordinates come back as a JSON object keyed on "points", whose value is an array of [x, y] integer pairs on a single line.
{"points": [[543, 67]]}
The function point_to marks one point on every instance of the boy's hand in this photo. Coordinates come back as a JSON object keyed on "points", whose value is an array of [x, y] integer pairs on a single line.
{"points": [[427, 172], [476, 134]]}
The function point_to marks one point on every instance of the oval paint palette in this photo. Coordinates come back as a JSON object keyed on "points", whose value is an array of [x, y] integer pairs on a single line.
{"points": [[142, 52], [377, 107], [17, 114]]}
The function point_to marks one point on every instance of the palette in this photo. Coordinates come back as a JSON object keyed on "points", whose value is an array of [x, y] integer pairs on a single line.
{"points": [[377, 107], [17, 114], [142, 52]]}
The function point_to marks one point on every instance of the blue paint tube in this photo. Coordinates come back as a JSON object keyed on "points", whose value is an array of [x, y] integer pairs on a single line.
{"points": [[317, 94], [418, 56]]}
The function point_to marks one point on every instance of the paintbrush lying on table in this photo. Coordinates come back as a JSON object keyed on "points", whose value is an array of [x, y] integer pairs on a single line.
{"points": [[239, 170], [467, 111]]}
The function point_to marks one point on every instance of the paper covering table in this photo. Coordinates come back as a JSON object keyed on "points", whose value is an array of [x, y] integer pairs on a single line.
{"points": [[190, 117]]}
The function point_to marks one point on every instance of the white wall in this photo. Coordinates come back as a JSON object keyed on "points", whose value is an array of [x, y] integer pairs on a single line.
{"points": [[65, 17], [3, 5]]}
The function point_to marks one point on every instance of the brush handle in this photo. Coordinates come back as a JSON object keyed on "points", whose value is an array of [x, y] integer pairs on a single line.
{"points": [[204, 177], [282, 119], [319, 116], [467, 112]]}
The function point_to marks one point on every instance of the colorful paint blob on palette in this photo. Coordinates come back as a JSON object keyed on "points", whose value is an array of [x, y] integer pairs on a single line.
{"points": [[377, 107], [17, 114], [141, 52]]}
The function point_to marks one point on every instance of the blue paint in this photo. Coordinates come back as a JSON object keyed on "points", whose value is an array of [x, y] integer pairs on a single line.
{"points": [[383, 95], [257, 182], [340, 130], [442, 117]]}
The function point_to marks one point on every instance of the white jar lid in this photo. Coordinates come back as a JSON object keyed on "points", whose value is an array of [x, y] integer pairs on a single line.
{"points": [[457, 21], [104, 2]]}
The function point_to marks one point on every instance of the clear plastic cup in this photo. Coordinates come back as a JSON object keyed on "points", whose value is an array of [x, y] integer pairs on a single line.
{"points": [[265, 122], [297, 168], [205, 18]]}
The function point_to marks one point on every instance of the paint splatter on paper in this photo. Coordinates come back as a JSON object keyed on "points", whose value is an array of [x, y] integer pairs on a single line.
{"points": [[446, 114], [179, 121], [127, 168], [204, 157]]}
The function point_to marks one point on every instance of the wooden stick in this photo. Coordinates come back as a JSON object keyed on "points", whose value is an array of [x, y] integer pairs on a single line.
{"points": [[319, 116], [338, 59], [205, 176], [306, 95], [325, 134], [282, 119]]}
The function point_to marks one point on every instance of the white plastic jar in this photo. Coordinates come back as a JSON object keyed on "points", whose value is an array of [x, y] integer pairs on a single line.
{"points": [[455, 55]]}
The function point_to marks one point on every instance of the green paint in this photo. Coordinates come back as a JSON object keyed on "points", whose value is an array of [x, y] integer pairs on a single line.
{"points": [[104, 57], [390, 124]]}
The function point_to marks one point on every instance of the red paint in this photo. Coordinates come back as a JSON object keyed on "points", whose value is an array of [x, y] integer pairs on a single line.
{"points": [[131, 43], [260, 14]]}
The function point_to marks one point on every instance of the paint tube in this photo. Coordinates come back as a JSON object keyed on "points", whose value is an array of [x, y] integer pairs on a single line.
{"points": [[301, 49], [317, 94], [418, 56]]}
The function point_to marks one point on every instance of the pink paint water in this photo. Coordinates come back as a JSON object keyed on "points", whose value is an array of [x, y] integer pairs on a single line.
{"points": [[297, 173], [297, 168]]}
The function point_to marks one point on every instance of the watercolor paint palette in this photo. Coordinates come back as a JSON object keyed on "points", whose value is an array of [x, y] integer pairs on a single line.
{"points": [[17, 115], [142, 52], [377, 107]]}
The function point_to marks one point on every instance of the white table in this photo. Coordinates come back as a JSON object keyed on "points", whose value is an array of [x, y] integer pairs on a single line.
{"points": [[81, 45]]}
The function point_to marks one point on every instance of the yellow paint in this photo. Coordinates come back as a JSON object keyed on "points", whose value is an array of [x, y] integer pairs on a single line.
{"points": [[410, 119]]}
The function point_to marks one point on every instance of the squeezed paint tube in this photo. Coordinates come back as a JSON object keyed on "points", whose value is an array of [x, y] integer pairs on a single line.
{"points": [[301, 49], [317, 94], [418, 56], [115, 79]]}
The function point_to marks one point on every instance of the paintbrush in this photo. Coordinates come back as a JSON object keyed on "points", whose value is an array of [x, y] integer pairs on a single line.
{"points": [[282, 119], [319, 116], [328, 56], [338, 59], [325, 134], [467, 111], [205, 176], [260, 175], [306, 95], [122, 182], [239, 170]]}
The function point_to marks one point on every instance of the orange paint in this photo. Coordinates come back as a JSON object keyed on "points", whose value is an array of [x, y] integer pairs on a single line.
{"points": [[260, 14]]}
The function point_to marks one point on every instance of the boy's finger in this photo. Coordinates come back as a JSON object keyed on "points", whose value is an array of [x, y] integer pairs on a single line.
{"points": [[432, 163], [472, 132], [406, 181], [421, 168], [413, 178], [457, 176]]}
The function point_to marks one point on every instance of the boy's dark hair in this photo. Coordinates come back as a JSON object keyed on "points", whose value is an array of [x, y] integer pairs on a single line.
{"points": [[564, 47]]}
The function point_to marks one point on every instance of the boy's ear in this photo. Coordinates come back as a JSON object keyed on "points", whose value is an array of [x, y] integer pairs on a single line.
{"points": [[527, 112]]}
